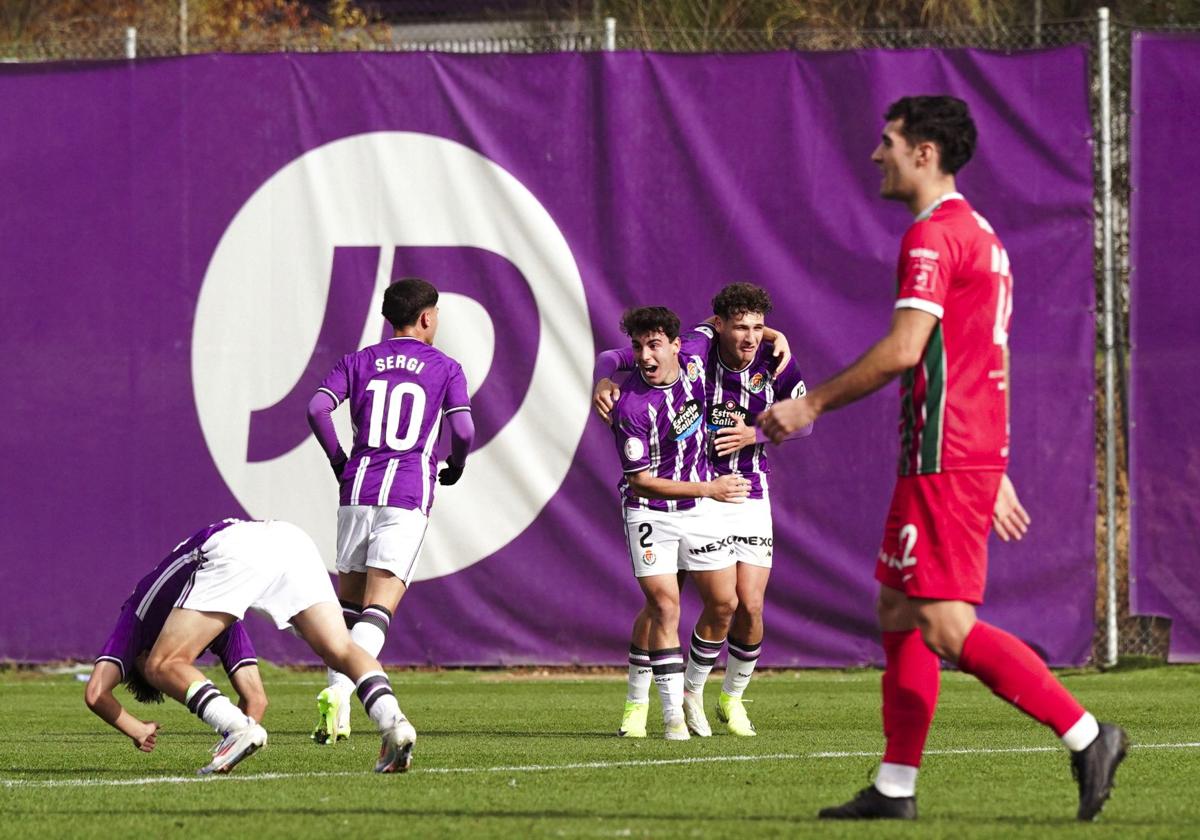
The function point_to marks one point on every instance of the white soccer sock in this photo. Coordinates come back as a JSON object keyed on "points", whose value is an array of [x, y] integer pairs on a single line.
{"points": [[896, 779], [375, 691], [206, 702], [739, 666], [670, 691], [370, 631], [702, 656], [640, 675], [1080, 736]]}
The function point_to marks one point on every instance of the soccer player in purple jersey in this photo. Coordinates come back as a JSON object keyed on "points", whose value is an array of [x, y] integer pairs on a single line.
{"points": [[672, 517], [743, 379], [398, 391], [195, 599]]}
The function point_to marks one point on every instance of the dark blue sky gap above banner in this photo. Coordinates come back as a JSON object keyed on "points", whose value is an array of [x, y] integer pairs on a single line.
{"points": [[1164, 449], [176, 231]]}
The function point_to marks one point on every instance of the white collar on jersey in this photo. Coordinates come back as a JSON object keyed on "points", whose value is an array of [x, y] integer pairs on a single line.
{"points": [[928, 211], [724, 366]]}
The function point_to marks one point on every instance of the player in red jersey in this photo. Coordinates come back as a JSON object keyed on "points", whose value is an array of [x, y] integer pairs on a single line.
{"points": [[948, 342]]}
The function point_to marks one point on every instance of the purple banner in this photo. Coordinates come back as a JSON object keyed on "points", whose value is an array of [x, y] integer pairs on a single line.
{"points": [[1164, 451], [190, 243]]}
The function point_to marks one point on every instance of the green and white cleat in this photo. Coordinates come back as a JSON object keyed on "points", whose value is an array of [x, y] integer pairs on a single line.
{"points": [[675, 728], [633, 722], [693, 715], [330, 729], [731, 711]]}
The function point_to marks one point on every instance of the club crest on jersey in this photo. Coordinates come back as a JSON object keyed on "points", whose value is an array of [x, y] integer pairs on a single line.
{"points": [[648, 557], [686, 421], [757, 383], [693, 371], [726, 414]]}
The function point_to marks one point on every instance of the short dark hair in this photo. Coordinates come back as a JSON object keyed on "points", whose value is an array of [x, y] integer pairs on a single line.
{"points": [[140, 687], [650, 319], [406, 299], [739, 298], [944, 120]]}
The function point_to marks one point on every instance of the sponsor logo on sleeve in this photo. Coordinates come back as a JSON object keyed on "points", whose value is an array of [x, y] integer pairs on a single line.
{"points": [[922, 268], [634, 449], [799, 391]]}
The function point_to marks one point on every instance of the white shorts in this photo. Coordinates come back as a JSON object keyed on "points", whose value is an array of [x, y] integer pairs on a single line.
{"points": [[272, 567], [696, 540], [380, 537], [753, 536]]}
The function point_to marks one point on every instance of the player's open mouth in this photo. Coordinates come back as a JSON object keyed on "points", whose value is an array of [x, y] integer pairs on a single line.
{"points": [[649, 370]]}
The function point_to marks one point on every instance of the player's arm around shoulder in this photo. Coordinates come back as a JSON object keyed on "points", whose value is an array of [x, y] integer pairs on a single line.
{"points": [[100, 699]]}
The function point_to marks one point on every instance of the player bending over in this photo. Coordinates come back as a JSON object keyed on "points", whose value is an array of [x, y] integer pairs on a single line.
{"points": [[195, 599]]}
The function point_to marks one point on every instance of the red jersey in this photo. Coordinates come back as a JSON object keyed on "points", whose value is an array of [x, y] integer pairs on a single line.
{"points": [[953, 405]]}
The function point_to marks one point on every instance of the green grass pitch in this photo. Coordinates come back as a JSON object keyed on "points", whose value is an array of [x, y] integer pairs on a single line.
{"points": [[504, 754]]}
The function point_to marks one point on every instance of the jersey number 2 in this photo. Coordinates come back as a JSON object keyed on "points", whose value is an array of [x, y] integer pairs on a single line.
{"points": [[389, 407]]}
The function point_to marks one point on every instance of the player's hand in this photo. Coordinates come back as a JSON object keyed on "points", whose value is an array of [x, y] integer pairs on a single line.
{"points": [[338, 463], [729, 488], [732, 438], [451, 473], [604, 397], [785, 417], [1009, 519], [782, 352], [147, 738]]}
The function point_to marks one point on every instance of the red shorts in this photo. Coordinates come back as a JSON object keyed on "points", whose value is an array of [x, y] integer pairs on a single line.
{"points": [[935, 540]]}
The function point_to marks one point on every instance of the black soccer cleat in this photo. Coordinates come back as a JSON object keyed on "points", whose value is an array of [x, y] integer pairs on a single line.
{"points": [[870, 804], [1096, 766]]}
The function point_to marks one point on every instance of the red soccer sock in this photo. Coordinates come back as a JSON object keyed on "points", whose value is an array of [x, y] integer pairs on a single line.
{"points": [[910, 690], [1011, 669]]}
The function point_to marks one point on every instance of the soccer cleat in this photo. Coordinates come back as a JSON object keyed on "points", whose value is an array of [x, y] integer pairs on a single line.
{"points": [[731, 711], [330, 729], [633, 721], [237, 744], [1095, 767], [870, 804], [395, 753], [675, 728], [693, 715]]}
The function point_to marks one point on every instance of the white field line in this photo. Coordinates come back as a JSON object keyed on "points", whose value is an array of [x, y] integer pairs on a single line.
{"points": [[538, 768]]}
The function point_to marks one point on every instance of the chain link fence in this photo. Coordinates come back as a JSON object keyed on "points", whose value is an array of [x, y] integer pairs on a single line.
{"points": [[1136, 635]]}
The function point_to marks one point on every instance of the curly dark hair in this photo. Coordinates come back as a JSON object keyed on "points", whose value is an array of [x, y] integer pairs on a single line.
{"points": [[406, 299], [739, 298], [944, 120], [140, 687], [650, 319]]}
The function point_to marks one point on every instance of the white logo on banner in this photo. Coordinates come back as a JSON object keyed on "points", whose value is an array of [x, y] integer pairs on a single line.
{"points": [[262, 304]]}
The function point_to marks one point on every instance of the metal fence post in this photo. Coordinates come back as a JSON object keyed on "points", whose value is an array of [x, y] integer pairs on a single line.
{"points": [[183, 27], [610, 34], [131, 42], [1110, 423]]}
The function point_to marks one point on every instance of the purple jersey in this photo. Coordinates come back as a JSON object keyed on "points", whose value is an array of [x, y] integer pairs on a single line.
{"points": [[746, 393], [145, 611], [399, 390], [661, 428]]}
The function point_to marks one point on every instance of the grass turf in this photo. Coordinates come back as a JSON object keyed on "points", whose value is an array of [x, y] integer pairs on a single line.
{"points": [[502, 754]]}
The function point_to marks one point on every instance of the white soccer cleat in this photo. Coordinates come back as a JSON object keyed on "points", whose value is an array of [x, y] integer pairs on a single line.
{"points": [[395, 753], [693, 715], [675, 728], [237, 744]]}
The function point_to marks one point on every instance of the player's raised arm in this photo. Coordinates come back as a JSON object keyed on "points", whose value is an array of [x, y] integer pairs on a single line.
{"points": [[100, 699], [606, 392]]}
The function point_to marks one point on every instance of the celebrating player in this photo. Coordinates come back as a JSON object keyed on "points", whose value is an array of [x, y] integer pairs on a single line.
{"points": [[671, 520], [399, 390], [195, 599], [743, 378], [949, 343]]}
